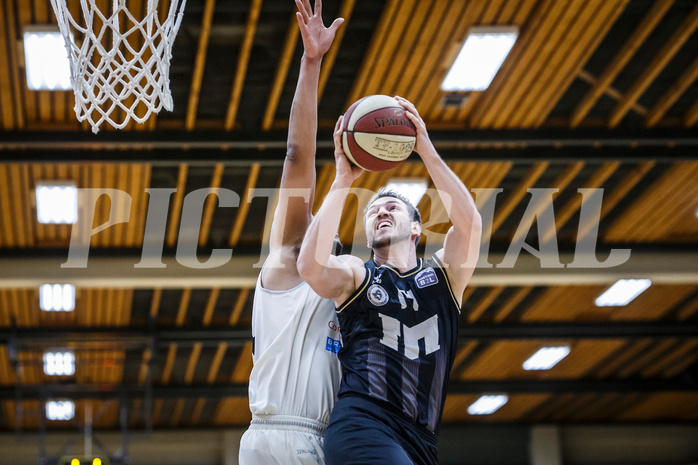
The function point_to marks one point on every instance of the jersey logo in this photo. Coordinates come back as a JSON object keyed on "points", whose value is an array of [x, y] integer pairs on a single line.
{"points": [[428, 330], [426, 277], [377, 295], [405, 295], [333, 345]]}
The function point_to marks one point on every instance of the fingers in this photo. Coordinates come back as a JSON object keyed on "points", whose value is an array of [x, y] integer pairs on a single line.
{"points": [[318, 8], [407, 105], [303, 7], [338, 131], [410, 111], [301, 22], [335, 24]]}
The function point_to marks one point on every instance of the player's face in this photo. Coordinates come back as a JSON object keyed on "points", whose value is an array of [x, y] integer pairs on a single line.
{"points": [[387, 222]]}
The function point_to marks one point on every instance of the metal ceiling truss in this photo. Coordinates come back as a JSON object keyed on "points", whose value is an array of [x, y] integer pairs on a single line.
{"points": [[31, 339], [206, 147]]}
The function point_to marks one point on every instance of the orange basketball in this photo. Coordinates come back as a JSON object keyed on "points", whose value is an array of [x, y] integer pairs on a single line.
{"points": [[377, 135]]}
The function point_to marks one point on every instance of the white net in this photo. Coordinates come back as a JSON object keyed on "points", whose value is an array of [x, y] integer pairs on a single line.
{"points": [[119, 61]]}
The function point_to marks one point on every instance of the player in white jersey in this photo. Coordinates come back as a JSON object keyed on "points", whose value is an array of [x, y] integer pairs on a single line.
{"points": [[296, 372]]}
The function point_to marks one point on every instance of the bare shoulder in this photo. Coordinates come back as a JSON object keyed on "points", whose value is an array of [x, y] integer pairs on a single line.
{"points": [[358, 272]]}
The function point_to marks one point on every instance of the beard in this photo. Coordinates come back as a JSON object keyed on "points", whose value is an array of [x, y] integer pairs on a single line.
{"points": [[387, 241]]}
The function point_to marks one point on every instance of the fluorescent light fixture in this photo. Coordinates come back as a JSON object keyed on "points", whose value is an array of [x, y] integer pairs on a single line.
{"points": [[546, 358], [60, 410], [57, 202], [59, 363], [412, 188], [483, 53], [622, 292], [488, 404], [46, 59], [57, 297]]}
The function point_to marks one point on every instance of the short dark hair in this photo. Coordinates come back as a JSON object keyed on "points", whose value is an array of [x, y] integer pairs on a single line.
{"points": [[411, 209], [384, 192]]}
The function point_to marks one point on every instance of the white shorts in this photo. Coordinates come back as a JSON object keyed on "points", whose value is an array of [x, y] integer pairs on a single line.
{"points": [[283, 440]]}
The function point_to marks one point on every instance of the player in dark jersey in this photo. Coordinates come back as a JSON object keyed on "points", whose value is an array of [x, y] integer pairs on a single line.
{"points": [[398, 313]]}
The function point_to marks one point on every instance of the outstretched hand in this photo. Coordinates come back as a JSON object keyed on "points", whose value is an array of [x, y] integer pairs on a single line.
{"points": [[317, 38], [345, 168]]}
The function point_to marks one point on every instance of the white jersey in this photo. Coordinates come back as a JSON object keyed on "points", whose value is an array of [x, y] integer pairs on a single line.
{"points": [[296, 371]]}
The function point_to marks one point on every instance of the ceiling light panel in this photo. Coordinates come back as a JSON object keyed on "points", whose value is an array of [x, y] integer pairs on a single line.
{"points": [[46, 59], [59, 363], [60, 410], [57, 297], [482, 54], [412, 188], [488, 404], [57, 203], [622, 292], [546, 358]]}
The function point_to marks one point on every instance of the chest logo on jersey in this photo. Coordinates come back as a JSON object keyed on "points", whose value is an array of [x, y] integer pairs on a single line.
{"points": [[426, 277], [333, 345], [377, 295]]}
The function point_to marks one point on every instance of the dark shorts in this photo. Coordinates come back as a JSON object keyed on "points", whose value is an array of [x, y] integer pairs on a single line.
{"points": [[363, 433]]}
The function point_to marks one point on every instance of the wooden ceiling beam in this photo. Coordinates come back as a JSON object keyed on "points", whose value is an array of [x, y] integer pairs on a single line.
{"points": [[691, 116], [210, 306], [575, 204], [191, 364], [237, 309], [485, 303], [606, 18], [173, 224], [281, 73], [687, 78], [210, 204], [617, 195], [655, 67], [533, 46], [552, 62], [243, 62], [8, 67], [442, 53], [617, 64], [560, 183], [244, 208], [216, 362], [371, 59], [199, 65], [610, 91], [328, 61], [515, 198]]}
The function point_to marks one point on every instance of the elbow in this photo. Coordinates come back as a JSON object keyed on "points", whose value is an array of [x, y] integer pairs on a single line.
{"points": [[307, 267], [476, 225], [292, 154]]}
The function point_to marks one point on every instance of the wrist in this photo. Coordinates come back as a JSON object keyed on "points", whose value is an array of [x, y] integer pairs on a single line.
{"points": [[342, 181], [315, 60]]}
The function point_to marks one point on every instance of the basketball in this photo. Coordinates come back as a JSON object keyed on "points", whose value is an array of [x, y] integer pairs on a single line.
{"points": [[377, 134]]}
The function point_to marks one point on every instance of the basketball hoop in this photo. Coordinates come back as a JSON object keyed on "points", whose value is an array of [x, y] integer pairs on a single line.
{"points": [[119, 63]]}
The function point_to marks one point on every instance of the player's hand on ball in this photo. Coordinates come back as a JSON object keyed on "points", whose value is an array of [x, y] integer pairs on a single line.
{"points": [[344, 167], [423, 143]]}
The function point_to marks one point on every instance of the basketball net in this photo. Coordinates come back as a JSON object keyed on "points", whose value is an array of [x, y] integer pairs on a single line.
{"points": [[119, 64]]}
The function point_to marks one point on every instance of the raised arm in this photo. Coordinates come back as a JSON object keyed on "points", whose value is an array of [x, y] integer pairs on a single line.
{"points": [[462, 244], [332, 277], [294, 208]]}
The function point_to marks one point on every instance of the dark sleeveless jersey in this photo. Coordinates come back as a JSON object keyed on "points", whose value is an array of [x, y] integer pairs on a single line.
{"points": [[399, 338]]}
